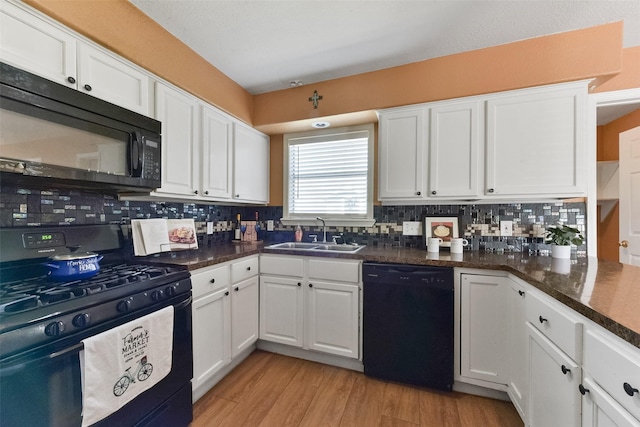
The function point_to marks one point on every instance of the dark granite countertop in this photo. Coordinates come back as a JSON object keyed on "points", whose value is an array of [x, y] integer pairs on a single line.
{"points": [[606, 292]]}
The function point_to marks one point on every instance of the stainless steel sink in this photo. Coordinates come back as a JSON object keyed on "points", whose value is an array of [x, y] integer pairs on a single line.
{"points": [[316, 247]]}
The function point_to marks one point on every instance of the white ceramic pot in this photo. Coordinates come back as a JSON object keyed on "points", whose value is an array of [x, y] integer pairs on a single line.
{"points": [[562, 252]]}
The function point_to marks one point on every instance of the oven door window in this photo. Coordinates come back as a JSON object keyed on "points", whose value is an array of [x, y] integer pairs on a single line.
{"points": [[56, 139], [42, 392]]}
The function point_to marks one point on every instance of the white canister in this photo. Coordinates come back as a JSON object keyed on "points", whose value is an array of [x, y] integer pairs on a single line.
{"points": [[457, 245], [433, 244]]}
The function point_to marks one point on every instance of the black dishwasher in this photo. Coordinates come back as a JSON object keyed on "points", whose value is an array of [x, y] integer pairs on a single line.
{"points": [[408, 324]]}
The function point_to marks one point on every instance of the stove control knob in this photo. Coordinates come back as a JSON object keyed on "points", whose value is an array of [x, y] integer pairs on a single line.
{"points": [[170, 291], [54, 329], [124, 306], [157, 295], [81, 320]]}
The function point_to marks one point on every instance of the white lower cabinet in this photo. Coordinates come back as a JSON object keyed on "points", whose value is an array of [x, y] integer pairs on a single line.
{"points": [[554, 399], [601, 410], [483, 329], [518, 380], [225, 317], [311, 303], [211, 322]]}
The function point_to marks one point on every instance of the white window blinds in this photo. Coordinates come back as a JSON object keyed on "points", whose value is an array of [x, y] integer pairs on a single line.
{"points": [[329, 178]]}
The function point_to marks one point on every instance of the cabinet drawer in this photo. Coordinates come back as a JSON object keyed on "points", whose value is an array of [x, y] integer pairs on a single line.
{"points": [[612, 366], [282, 265], [244, 268], [555, 322], [342, 271], [208, 279]]}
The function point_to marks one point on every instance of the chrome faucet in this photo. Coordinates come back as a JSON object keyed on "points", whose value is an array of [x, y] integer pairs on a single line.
{"points": [[324, 230]]}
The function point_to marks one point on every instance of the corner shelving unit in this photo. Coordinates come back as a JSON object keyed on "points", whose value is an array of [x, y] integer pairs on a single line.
{"points": [[608, 187]]}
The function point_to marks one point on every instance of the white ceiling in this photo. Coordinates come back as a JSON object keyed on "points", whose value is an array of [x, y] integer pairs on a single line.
{"points": [[263, 45]]}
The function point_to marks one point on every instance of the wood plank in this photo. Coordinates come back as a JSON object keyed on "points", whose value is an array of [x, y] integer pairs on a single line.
{"points": [[387, 421], [439, 409], [212, 412], [294, 401], [365, 404], [402, 402], [476, 410], [244, 377], [331, 399], [256, 403]]}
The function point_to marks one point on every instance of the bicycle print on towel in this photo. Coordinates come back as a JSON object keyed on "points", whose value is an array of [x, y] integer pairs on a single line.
{"points": [[133, 346]]}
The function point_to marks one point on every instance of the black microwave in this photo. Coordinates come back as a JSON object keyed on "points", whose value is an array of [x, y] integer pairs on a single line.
{"points": [[50, 133]]}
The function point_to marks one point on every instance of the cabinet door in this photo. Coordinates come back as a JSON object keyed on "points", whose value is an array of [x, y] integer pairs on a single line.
{"points": [[281, 310], [332, 318], [483, 328], [554, 399], [217, 137], [251, 165], [33, 44], [454, 154], [401, 154], [517, 348], [536, 142], [211, 335], [244, 315], [601, 410], [177, 112], [106, 77]]}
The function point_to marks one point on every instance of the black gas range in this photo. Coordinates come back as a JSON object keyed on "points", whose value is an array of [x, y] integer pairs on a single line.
{"points": [[43, 322]]}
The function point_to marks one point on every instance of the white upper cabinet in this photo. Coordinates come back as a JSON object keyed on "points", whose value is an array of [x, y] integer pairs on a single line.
{"points": [[106, 77], [34, 43], [518, 145], [251, 165], [31, 43], [178, 113], [215, 161], [401, 154], [454, 149], [536, 142]]}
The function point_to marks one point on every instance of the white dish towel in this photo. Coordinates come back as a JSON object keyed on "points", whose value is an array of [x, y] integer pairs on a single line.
{"points": [[119, 364]]}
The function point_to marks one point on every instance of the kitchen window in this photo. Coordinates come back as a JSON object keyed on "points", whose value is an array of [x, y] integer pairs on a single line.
{"points": [[329, 173]]}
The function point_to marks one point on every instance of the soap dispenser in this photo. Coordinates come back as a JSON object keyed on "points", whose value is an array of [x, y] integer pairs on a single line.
{"points": [[298, 233]]}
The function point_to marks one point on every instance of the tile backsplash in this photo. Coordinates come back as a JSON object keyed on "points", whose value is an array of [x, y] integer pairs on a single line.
{"points": [[479, 224]]}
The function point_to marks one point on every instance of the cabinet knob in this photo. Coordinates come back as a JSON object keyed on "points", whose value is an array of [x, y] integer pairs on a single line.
{"points": [[624, 244], [310, 285], [195, 191], [565, 370], [418, 193], [236, 289], [299, 284], [628, 388], [237, 196], [206, 192], [521, 293], [249, 268], [226, 293], [583, 390], [434, 192], [212, 281], [88, 88], [542, 319], [71, 80], [491, 190]]}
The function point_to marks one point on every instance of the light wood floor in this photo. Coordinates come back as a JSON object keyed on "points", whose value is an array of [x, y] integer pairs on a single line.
{"points": [[274, 390]]}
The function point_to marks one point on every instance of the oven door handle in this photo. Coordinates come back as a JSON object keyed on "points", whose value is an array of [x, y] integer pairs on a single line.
{"points": [[11, 368]]}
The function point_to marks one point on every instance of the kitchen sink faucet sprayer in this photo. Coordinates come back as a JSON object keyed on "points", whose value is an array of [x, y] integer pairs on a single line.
{"points": [[324, 230]]}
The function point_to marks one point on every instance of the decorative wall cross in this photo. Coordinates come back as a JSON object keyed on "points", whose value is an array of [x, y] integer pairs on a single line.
{"points": [[315, 98]]}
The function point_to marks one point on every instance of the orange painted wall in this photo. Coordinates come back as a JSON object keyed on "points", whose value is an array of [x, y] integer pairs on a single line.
{"points": [[125, 30], [608, 149], [581, 54], [630, 77]]}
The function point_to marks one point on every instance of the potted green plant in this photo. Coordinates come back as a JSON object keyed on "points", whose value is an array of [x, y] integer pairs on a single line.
{"points": [[562, 237]]}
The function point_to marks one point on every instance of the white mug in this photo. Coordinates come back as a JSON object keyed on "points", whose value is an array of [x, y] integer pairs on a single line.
{"points": [[434, 244], [457, 244]]}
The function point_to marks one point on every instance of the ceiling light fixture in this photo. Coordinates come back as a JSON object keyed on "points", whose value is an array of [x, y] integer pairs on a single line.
{"points": [[295, 83], [320, 125]]}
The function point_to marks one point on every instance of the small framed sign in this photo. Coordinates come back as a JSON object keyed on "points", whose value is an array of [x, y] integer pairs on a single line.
{"points": [[443, 227]]}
